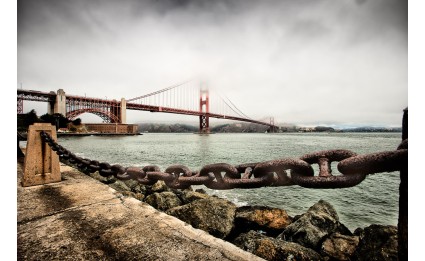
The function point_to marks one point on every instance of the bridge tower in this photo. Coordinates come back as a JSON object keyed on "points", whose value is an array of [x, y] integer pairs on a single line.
{"points": [[273, 128], [123, 111], [204, 119], [59, 105]]}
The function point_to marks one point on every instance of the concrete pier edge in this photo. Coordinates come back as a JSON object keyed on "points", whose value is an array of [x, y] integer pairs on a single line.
{"points": [[81, 218]]}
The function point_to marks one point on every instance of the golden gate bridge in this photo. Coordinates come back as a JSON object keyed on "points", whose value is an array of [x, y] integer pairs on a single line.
{"points": [[187, 98]]}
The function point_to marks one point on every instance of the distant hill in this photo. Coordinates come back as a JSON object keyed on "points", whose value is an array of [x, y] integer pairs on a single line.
{"points": [[372, 129], [253, 128], [166, 128], [185, 128], [240, 128]]}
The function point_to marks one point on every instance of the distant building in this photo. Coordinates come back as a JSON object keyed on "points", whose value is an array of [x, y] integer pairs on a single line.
{"points": [[111, 128]]}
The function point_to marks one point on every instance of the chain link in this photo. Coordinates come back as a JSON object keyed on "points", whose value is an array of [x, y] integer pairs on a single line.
{"points": [[325, 179], [281, 172]]}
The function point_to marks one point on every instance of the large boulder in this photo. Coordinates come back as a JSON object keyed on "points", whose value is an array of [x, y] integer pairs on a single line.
{"points": [[213, 215], [274, 249], [201, 190], [270, 220], [188, 196], [339, 247], [159, 187], [312, 227], [377, 242], [106, 180], [179, 192], [163, 201], [135, 186], [120, 186], [138, 196]]}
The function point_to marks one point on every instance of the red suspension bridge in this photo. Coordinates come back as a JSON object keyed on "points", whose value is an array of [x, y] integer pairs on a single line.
{"points": [[185, 98]]}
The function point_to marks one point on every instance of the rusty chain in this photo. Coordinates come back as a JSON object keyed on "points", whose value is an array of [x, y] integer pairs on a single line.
{"points": [[281, 172]]}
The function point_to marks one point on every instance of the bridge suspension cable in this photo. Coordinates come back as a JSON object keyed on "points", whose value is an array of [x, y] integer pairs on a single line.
{"points": [[191, 97], [227, 109], [159, 91], [241, 113], [183, 96]]}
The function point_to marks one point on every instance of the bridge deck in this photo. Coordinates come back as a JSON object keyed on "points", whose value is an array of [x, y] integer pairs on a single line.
{"points": [[82, 219], [108, 109]]}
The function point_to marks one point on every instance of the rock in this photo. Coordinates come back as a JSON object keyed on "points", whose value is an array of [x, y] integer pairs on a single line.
{"points": [[188, 196], [377, 242], [296, 217], [180, 190], [119, 186], [106, 180], [159, 186], [135, 186], [202, 191], [310, 228], [138, 196], [274, 249], [213, 215], [270, 220], [340, 247], [163, 201]]}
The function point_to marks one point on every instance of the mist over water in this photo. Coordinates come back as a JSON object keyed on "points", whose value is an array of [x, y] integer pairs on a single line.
{"points": [[374, 201], [302, 62]]}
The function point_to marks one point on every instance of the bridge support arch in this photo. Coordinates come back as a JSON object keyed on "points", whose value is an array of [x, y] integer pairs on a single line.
{"points": [[107, 117]]}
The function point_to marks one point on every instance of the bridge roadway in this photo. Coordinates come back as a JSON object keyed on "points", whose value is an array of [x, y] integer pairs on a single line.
{"points": [[32, 95], [142, 107], [81, 218]]}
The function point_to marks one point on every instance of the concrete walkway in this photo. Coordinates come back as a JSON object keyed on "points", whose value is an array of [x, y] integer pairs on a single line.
{"points": [[82, 219]]}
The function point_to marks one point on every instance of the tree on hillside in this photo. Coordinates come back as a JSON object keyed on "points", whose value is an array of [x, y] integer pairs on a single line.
{"points": [[55, 119], [77, 121], [27, 119], [31, 118]]}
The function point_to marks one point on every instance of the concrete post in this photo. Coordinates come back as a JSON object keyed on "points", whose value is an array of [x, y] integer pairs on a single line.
{"points": [[403, 200], [123, 111], [41, 165], [60, 103]]}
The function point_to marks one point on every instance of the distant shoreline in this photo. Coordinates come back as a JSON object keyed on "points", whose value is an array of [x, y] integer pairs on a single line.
{"points": [[59, 134], [255, 128]]}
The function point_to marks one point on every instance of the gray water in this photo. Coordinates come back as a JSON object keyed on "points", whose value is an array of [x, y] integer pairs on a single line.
{"points": [[374, 201]]}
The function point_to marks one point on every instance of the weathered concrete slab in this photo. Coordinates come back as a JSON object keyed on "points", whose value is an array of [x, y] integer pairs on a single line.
{"points": [[38, 201], [83, 219]]}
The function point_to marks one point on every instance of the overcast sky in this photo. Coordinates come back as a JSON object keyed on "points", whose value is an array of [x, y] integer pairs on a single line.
{"points": [[306, 62]]}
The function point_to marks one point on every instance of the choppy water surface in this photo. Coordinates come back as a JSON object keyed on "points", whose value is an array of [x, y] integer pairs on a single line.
{"points": [[374, 201]]}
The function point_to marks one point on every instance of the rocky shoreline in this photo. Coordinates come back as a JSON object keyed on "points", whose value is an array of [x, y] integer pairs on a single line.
{"points": [[269, 233]]}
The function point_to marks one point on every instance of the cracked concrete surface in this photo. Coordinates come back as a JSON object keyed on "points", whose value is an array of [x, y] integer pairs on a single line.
{"points": [[82, 219]]}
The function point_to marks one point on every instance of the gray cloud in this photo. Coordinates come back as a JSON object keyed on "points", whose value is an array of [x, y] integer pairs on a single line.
{"points": [[299, 61]]}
